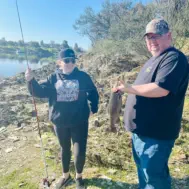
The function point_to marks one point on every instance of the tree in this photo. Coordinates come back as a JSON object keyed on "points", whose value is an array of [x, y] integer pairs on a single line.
{"points": [[34, 44], [125, 22], [65, 44], [98, 26], [95, 27], [3, 41], [52, 44], [176, 13], [41, 43], [11, 43], [76, 48], [20, 43]]}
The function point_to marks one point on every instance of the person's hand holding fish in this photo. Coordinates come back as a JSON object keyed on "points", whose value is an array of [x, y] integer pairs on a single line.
{"points": [[121, 87]]}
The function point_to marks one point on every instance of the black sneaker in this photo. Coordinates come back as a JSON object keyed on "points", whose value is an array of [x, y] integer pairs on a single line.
{"points": [[63, 182], [80, 183]]}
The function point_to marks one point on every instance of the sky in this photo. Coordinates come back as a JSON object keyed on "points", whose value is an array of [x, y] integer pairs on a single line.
{"points": [[46, 20]]}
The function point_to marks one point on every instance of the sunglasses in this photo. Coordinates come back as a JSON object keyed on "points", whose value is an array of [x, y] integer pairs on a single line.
{"points": [[68, 60], [155, 37]]}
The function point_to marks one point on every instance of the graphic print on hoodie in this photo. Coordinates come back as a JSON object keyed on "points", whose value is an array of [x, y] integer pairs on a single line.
{"points": [[67, 90]]}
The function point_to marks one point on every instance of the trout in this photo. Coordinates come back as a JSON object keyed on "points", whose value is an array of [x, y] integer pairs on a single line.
{"points": [[114, 109]]}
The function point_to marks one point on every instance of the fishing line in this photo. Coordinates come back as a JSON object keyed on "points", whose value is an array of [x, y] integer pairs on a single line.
{"points": [[45, 180]]}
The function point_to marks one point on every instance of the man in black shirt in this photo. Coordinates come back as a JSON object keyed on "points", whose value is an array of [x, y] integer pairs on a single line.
{"points": [[154, 106]]}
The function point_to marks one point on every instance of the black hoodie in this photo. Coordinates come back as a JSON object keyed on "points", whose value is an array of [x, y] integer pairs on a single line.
{"points": [[68, 97]]}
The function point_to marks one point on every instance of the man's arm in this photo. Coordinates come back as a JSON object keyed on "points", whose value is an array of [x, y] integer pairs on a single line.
{"points": [[168, 78], [151, 90]]}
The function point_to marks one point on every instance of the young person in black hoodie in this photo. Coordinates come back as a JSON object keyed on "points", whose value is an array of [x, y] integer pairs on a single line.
{"points": [[68, 91]]}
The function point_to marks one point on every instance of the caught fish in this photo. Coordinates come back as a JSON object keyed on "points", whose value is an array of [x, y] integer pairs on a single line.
{"points": [[114, 109]]}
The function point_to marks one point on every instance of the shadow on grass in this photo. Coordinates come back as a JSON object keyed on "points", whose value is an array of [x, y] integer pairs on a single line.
{"points": [[108, 184], [103, 183]]}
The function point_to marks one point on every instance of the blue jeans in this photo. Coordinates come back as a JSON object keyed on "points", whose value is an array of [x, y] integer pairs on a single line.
{"points": [[151, 157]]}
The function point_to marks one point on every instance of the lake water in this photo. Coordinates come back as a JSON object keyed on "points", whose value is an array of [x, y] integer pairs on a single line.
{"points": [[10, 67]]}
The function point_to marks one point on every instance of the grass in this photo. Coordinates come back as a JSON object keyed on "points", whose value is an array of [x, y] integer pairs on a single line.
{"points": [[96, 177], [106, 178], [17, 179]]}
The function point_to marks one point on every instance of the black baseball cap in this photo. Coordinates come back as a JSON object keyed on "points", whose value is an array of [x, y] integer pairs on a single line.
{"points": [[67, 53]]}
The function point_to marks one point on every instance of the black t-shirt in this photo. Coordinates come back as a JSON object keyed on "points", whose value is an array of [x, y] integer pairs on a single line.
{"points": [[159, 118]]}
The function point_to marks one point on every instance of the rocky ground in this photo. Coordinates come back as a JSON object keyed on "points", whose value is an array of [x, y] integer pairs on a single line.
{"points": [[109, 160]]}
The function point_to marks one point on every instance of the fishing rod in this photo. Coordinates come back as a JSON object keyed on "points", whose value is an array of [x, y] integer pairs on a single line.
{"points": [[46, 182]]}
